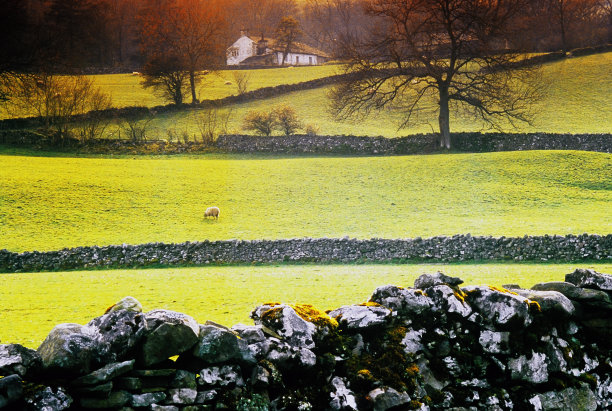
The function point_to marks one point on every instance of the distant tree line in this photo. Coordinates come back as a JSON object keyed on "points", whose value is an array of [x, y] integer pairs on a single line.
{"points": [[78, 34]]}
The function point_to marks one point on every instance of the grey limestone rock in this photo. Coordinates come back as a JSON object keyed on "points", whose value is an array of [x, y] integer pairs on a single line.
{"points": [[181, 396], [595, 298], [120, 329], [205, 396], [16, 359], [168, 333], [413, 340], [551, 302], [499, 308], [360, 316], [73, 349], [386, 398], [126, 304], [250, 333], [287, 356], [217, 345], [534, 369], [48, 399], [494, 342], [342, 398], [287, 323], [569, 399], [147, 399], [449, 300], [430, 280], [224, 376], [586, 278], [105, 374], [405, 301], [11, 389]]}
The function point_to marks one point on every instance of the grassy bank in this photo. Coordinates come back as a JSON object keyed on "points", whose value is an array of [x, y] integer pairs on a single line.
{"points": [[32, 304], [48, 203], [577, 101]]}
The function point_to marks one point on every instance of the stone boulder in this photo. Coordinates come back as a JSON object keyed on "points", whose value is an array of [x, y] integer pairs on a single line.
{"points": [[594, 298], [569, 399], [550, 302], [407, 302], [168, 333], [356, 317], [586, 278], [285, 321], [497, 307], [48, 399], [430, 280], [387, 398], [121, 330], [16, 359], [342, 398], [104, 374], [533, 369], [11, 389], [217, 345], [73, 349]]}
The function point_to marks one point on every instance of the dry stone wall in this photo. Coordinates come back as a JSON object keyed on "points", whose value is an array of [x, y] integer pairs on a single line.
{"points": [[323, 250], [433, 346], [415, 144]]}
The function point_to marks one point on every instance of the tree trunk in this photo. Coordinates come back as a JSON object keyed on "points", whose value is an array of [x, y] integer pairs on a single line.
{"points": [[444, 118], [192, 82]]}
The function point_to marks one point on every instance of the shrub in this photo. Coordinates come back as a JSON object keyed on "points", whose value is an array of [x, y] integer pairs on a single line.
{"points": [[311, 130], [261, 122], [211, 123], [287, 120], [55, 100], [242, 79]]}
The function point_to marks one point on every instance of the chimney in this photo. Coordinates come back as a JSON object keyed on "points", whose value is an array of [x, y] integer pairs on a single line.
{"points": [[243, 33]]}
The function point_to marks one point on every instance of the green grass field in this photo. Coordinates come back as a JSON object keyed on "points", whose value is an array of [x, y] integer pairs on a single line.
{"points": [[577, 102], [126, 89], [32, 304], [49, 203]]}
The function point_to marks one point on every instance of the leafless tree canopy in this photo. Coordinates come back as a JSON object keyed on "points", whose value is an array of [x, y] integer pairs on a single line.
{"points": [[456, 50]]}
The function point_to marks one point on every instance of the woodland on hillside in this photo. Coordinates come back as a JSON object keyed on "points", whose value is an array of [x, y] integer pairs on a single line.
{"points": [[72, 35]]}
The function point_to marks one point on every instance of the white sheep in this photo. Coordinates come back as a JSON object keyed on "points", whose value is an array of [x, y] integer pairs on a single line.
{"points": [[212, 212]]}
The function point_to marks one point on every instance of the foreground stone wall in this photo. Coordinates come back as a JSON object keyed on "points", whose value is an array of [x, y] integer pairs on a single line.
{"points": [[432, 347], [325, 250], [415, 144]]}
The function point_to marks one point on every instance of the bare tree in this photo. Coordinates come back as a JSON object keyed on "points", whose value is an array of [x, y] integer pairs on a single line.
{"points": [[454, 50], [329, 22], [187, 30], [54, 100], [167, 76]]}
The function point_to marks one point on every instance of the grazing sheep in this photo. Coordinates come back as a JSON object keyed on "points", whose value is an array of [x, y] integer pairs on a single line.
{"points": [[212, 212]]}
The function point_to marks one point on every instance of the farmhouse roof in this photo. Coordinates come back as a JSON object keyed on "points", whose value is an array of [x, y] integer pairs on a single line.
{"points": [[296, 47]]}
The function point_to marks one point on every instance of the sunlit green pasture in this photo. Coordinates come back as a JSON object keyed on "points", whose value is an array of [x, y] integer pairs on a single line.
{"points": [[126, 89], [32, 303], [49, 203], [577, 101]]}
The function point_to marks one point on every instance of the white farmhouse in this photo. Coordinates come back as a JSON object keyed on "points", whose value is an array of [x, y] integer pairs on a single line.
{"points": [[253, 51]]}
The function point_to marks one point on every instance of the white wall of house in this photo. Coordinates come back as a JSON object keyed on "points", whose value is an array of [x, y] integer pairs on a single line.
{"points": [[297, 59], [242, 49]]}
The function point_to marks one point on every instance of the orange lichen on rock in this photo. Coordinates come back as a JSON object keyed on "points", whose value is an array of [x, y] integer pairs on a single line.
{"points": [[315, 316], [502, 290], [534, 305], [370, 304]]}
